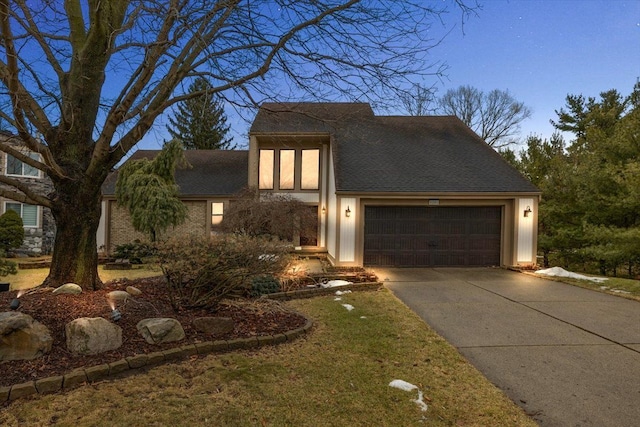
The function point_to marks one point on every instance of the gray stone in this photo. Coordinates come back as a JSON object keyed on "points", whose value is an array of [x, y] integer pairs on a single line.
{"points": [[214, 325], [133, 291], [68, 288], [160, 330], [22, 338], [92, 335], [118, 296]]}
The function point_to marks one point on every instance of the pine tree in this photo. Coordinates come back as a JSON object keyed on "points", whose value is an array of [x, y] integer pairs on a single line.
{"points": [[200, 122]]}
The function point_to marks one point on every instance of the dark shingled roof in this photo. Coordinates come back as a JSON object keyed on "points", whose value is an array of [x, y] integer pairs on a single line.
{"points": [[213, 172], [426, 154]]}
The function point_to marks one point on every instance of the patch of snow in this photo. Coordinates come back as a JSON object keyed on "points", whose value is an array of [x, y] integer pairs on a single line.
{"points": [[604, 288], [561, 272], [337, 299], [349, 307], [620, 291], [363, 317], [335, 283], [405, 386], [343, 292]]}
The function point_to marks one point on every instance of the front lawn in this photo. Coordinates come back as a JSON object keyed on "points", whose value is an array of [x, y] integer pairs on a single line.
{"points": [[337, 375], [30, 277]]}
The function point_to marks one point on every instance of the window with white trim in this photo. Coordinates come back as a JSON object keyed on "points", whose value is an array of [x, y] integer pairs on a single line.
{"points": [[28, 213], [266, 170], [15, 167], [289, 169], [217, 212]]}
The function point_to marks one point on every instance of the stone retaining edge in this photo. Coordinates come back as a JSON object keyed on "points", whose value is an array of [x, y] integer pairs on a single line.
{"points": [[97, 373]]}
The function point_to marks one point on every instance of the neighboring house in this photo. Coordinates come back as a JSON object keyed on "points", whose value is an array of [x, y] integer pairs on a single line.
{"points": [[39, 225], [387, 190]]}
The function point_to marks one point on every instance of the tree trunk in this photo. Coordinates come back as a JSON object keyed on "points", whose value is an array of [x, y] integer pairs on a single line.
{"points": [[77, 211]]}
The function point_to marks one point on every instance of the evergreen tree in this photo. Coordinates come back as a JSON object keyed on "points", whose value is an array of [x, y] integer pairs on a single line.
{"points": [[11, 230], [200, 122], [147, 188]]}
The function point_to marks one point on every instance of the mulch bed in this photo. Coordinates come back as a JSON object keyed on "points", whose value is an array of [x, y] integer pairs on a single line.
{"points": [[251, 318]]}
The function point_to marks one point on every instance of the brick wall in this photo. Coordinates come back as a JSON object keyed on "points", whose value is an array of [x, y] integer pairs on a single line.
{"points": [[121, 231]]}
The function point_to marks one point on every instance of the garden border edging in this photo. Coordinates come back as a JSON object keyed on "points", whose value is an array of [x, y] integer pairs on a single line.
{"points": [[96, 373]]}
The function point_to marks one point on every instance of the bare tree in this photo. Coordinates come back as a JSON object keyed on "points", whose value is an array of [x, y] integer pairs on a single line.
{"points": [[420, 101], [91, 77], [495, 116]]}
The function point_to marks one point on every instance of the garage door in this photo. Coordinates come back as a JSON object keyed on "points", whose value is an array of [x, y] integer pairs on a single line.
{"points": [[420, 236]]}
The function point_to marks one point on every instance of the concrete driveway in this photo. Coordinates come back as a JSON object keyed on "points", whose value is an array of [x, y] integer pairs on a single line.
{"points": [[568, 356]]}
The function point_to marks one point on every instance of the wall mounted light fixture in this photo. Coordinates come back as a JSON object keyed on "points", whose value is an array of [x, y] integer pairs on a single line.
{"points": [[527, 211], [347, 213], [324, 210]]}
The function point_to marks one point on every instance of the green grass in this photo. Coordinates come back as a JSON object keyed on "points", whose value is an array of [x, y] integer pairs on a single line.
{"points": [[337, 375], [31, 277], [626, 288]]}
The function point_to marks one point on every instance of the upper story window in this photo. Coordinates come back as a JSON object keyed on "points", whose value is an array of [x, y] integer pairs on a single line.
{"points": [[17, 168], [297, 169], [28, 213], [266, 170], [310, 170], [287, 169]]}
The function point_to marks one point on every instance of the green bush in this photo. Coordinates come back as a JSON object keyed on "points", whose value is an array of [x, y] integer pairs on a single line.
{"points": [[11, 230], [264, 285], [201, 272], [7, 267], [135, 251]]}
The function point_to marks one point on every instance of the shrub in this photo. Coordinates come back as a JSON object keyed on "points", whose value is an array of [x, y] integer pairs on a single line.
{"points": [[7, 267], [264, 285], [135, 251], [201, 272], [11, 230]]}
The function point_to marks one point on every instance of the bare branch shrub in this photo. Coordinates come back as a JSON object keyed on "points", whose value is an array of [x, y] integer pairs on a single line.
{"points": [[269, 214], [200, 272]]}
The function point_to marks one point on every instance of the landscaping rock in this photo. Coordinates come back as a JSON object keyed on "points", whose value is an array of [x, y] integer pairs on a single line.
{"points": [[133, 291], [92, 335], [22, 338], [118, 296], [214, 325], [68, 288], [160, 330]]}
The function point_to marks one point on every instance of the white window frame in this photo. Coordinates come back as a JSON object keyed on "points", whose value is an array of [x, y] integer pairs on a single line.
{"points": [[37, 225], [217, 215], [34, 156]]}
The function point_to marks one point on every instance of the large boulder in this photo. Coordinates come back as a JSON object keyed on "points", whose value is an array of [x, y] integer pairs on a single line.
{"points": [[118, 296], [22, 338], [160, 330], [92, 335], [68, 288]]}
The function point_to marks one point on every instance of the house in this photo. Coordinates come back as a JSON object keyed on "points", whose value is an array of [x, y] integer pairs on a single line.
{"points": [[386, 190], [39, 225]]}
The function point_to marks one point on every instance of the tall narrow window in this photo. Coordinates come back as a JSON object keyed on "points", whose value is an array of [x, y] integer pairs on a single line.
{"points": [[266, 170], [310, 171], [217, 211], [287, 167], [28, 213]]}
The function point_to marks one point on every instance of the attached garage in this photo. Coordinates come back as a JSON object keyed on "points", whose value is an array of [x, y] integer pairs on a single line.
{"points": [[430, 236]]}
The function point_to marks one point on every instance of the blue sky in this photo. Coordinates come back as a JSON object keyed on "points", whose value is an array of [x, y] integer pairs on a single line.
{"points": [[538, 50], [543, 50]]}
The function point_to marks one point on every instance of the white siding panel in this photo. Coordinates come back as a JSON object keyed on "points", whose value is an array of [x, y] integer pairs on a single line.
{"points": [[332, 210], [347, 230], [526, 251]]}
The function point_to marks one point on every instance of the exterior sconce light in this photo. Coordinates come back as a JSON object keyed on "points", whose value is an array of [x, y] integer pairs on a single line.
{"points": [[347, 213], [527, 212], [324, 210]]}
